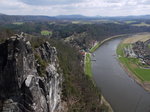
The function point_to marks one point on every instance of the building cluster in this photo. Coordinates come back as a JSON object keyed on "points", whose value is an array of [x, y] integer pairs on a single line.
{"points": [[93, 43], [142, 50], [139, 50]]}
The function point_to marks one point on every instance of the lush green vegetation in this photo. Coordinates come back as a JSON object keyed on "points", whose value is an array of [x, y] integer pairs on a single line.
{"points": [[133, 64], [88, 68], [4, 34], [129, 22], [76, 84], [65, 29], [18, 23], [148, 45], [95, 47], [46, 33], [141, 24], [43, 64]]}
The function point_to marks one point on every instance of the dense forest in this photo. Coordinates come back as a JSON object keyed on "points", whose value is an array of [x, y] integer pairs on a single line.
{"points": [[83, 32]]}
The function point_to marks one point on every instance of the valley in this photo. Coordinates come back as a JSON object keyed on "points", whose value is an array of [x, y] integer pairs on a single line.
{"points": [[74, 63]]}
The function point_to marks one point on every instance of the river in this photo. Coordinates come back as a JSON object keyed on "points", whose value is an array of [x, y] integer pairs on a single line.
{"points": [[121, 91]]}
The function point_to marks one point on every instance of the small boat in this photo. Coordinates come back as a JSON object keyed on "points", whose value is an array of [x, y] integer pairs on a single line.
{"points": [[93, 60], [93, 55]]}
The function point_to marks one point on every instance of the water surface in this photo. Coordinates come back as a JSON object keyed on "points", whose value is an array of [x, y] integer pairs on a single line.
{"points": [[121, 91]]}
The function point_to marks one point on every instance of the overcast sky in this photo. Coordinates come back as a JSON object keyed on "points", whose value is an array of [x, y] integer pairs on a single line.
{"points": [[69, 7]]}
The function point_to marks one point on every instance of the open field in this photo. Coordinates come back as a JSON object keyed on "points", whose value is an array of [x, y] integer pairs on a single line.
{"points": [[88, 68], [18, 23], [46, 32], [132, 64], [148, 45], [139, 37], [141, 24], [129, 22], [81, 22]]}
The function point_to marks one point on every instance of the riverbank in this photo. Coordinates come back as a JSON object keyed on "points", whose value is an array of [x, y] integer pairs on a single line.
{"points": [[105, 102], [87, 65], [96, 46], [88, 72], [88, 68], [145, 85], [121, 91], [87, 58], [130, 65]]}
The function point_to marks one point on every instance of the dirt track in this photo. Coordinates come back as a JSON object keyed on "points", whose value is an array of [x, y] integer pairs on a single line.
{"points": [[139, 37]]}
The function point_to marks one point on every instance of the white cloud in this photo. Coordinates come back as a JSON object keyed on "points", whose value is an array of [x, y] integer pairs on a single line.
{"points": [[84, 7]]}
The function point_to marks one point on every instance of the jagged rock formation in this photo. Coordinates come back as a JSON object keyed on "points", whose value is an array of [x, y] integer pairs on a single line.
{"points": [[25, 84]]}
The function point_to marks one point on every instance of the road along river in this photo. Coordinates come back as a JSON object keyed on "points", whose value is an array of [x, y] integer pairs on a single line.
{"points": [[121, 91]]}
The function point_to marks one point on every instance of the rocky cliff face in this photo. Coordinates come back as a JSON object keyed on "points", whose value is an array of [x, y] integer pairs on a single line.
{"points": [[29, 79]]}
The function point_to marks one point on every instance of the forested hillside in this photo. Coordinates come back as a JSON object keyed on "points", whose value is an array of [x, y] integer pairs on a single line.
{"points": [[83, 33]]}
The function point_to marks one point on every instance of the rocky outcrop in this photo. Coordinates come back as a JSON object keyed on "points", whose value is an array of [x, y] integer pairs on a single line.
{"points": [[26, 83]]}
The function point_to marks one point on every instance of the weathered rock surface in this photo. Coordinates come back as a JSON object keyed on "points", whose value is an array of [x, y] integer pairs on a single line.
{"points": [[22, 87]]}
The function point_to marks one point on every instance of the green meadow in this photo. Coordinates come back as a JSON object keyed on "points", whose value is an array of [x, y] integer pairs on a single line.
{"points": [[133, 64]]}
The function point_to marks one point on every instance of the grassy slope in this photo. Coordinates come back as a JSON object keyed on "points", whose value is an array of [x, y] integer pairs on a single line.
{"points": [[132, 65], [88, 68], [141, 24], [18, 23], [95, 47], [46, 33], [129, 22], [148, 45]]}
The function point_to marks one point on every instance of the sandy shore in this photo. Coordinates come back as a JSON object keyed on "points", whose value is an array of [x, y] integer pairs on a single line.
{"points": [[105, 102]]}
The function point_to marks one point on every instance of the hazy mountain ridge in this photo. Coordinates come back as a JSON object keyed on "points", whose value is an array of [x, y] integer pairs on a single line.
{"points": [[2, 14], [22, 18]]}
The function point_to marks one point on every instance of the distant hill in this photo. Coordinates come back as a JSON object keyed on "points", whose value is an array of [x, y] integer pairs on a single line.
{"points": [[130, 17], [81, 17], [18, 18], [71, 16], [27, 18], [77, 17], [2, 14]]}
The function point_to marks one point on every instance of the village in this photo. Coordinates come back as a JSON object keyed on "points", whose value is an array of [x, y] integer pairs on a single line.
{"points": [[140, 50]]}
